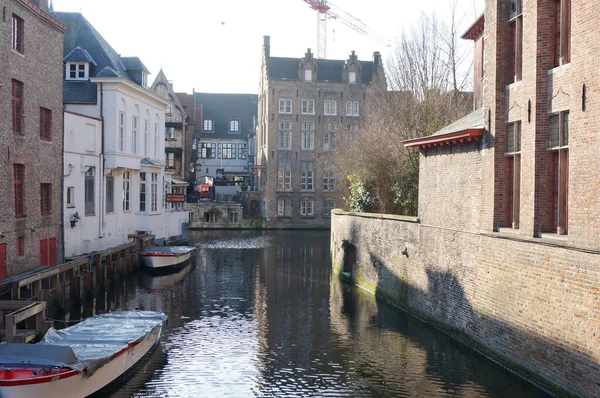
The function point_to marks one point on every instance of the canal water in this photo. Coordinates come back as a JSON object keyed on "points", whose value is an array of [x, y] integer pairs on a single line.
{"points": [[260, 314]]}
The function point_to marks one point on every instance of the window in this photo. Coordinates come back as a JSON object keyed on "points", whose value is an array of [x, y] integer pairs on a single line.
{"points": [[308, 75], [562, 32], [284, 208], [352, 77], [17, 33], [208, 125], [121, 131], [306, 208], [285, 105], [330, 108], [46, 198], [77, 70], [70, 196], [233, 216], [154, 193], [17, 110], [142, 192], [242, 151], [110, 194], [328, 205], [48, 252], [89, 192], [134, 134], [208, 150], [307, 175], [168, 110], [308, 136], [234, 126], [328, 180], [328, 141], [308, 107], [194, 144], [20, 246], [285, 135], [155, 140], [170, 160], [516, 32], [513, 156], [228, 151], [559, 148], [352, 108], [126, 192], [284, 176], [45, 124], [19, 175], [146, 127]]}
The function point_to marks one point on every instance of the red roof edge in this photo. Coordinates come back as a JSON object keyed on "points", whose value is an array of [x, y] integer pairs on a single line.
{"points": [[458, 137], [476, 29]]}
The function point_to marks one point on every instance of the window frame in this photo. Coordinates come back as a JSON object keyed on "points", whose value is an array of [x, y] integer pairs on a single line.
{"points": [[89, 191], [307, 176], [17, 34], [560, 172], [19, 190], [70, 197], [328, 105], [81, 71], [284, 176], [208, 125], [328, 180], [45, 124], [308, 107], [242, 151], [45, 198], [135, 121], [307, 136], [234, 126], [327, 209], [126, 191], [284, 136], [122, 129], [110, 194], [352, 77], [308, 77], [307, 208], [284, 207], [285, 106], [513, 156], [17, 107], [352, 109]]}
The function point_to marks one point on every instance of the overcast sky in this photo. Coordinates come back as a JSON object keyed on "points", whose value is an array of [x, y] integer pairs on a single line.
{"points": [[215, 46]]}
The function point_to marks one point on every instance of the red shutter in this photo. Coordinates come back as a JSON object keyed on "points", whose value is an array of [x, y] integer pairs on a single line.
{"points": [[44, 252], [52, 252], [3, 271]]}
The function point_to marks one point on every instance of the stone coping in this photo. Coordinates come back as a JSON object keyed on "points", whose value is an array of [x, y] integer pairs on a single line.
{"points": [[394, 217]]}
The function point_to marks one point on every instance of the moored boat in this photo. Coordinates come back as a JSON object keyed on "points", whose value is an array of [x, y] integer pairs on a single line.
{"points": [[79, 360], [161, 257]]}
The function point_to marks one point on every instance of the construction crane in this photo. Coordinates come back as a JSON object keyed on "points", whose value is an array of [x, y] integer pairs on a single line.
{"points": [[326, 10]]}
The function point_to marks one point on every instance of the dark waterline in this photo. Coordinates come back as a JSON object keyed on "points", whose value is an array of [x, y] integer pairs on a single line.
{"points": [[260, 314]]}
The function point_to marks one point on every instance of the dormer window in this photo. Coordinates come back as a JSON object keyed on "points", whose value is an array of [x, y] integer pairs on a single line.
{"points": [[144, 79], [77, 70], [234, 126], [168, 110], [208, 125], [308, 75], [352, 77]]}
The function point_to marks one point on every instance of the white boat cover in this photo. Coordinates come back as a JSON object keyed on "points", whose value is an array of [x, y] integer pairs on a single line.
{"points": [[177, 250], [96, 340]]}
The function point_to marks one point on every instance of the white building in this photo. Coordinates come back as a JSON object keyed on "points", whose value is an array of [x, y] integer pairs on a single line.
{"points": [[114, 156]]}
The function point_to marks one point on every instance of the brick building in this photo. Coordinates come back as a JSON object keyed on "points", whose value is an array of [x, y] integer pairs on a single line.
{"points": [[31, 48], [303, 104]]}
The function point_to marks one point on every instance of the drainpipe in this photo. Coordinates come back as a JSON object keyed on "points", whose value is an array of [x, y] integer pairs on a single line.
{"points": [[101, 160], [62, 188]]}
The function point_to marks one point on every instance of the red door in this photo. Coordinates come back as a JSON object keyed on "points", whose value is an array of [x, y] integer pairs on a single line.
{"points": [[3, 261], [44, 252]]}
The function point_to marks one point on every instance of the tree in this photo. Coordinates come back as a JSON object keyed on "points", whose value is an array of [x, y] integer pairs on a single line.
{"points": [[425, 94]]}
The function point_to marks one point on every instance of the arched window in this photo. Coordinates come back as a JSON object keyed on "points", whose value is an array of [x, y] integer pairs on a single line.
{"points": [[208, 125], [234, 126]]}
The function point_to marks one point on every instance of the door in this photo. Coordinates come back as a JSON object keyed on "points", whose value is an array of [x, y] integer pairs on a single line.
{"points": [[3, 270], [44, 252]]}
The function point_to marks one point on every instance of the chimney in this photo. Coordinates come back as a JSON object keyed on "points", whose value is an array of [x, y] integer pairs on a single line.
{"points": [[352, 59], [309, 55], [267, 46], [377, 58]]}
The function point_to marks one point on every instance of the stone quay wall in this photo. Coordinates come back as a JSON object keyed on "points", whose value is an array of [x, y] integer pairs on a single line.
{"points": [[530, 304]]}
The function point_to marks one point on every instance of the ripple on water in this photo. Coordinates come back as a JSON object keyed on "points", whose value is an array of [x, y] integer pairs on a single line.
{"points": [[258, 242]]}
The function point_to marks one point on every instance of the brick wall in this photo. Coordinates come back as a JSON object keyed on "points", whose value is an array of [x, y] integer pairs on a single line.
{"points": [[40, 69], [533, 306]]}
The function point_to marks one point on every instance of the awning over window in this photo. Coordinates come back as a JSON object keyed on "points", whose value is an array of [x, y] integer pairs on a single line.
{"points": [[469, 128]]}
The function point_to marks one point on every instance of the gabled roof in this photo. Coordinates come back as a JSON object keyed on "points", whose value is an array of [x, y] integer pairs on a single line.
{"points": [[467, 129], [222, 108], [79, 55], [475, 30], [161, 78], [327, 70], [82, 40]]}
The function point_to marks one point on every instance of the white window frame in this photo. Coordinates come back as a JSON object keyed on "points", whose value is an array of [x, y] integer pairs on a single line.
{"points": [[122, 119], [352, 77], [352, 108], [208, 125], [155, 140], [284, 141], [126, 191], [307, 137], [134, 134], [328, 180], [154, 193], [307, 208], [143, 193], [284, 208], [330, 108], [70, 201], [285, 106], [81, 72], [284, 176], [234, 126], [307, 176], [146, 127], [308, 75], [327, 209], [308, 107]]}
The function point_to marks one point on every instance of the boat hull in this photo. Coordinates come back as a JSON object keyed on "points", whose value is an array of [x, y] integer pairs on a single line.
{"points": [[162, 260], [76, 384]]}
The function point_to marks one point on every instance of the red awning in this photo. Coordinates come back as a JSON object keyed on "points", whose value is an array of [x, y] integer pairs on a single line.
{"points": [[458, 137]]}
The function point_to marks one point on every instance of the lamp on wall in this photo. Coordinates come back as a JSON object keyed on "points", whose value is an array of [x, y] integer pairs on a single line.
{"points": [[529, 111], [583, 96]]}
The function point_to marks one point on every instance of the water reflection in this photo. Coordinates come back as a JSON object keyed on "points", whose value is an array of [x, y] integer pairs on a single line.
{"points": [[259, 314]]}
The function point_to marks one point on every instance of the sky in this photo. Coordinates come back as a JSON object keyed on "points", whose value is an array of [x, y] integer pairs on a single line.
{"points": [[215, 46]]}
